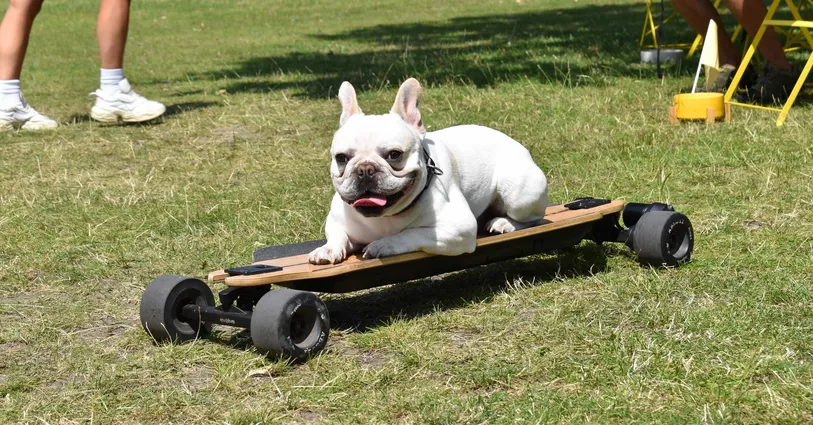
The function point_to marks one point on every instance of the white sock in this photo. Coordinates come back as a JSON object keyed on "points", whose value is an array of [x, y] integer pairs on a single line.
{"points": [[111, 78], [9, 93]]}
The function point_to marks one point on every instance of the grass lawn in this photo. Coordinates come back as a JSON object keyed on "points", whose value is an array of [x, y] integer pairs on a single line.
{"points": [[89, 214]]}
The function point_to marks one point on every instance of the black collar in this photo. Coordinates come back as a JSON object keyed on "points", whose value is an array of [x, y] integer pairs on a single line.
{"points": [[431, 171]]}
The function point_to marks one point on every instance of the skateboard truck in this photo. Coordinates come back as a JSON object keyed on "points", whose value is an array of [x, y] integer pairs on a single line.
{"points": [[236, 303], [235, 309], [243, 298]]}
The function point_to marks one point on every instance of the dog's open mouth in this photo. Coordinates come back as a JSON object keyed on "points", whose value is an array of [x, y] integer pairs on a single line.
{"points": [[373, 204], [370, 200]]}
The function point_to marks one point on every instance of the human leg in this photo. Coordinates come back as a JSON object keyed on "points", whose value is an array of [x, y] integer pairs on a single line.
{"points": [[115, 99], [698, 14], [750, 14], [14, 33], [111, 32]]}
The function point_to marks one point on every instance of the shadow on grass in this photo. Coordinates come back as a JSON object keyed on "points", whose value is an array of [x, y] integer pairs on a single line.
{"points": [[567, 46], [172, 110], [456, 290], [378, 307], [180, 108]]}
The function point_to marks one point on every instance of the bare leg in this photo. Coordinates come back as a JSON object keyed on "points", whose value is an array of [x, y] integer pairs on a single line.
{"points": [[14, 32], [698, 14], [115, 99], [111, 32], [750, 14]]}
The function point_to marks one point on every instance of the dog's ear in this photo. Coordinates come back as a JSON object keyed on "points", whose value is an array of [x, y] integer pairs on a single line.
{"points": [[350, 106], [406, 104]]}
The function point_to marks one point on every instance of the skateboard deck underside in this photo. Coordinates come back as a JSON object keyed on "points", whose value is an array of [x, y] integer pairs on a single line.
{"points": [[561, 228]]}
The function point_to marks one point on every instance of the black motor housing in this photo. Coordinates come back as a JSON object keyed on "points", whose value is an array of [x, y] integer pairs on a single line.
{"points": [[633, 211]]}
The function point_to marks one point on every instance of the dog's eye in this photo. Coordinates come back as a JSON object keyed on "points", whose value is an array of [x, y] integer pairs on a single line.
{"points": [[394, 155], [341, 158]]}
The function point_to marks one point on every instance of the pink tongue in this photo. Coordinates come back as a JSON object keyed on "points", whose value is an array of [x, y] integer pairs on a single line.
{"points": [[371, 201]]}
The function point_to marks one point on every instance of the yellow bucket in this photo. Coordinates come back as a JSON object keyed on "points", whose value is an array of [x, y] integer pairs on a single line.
{"points": [[693, 106]]}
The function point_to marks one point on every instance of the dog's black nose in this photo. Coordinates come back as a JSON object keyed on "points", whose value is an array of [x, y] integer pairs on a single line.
{"points": [[365, 170]]}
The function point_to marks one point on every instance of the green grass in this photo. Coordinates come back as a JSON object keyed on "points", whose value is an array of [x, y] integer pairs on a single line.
{"points": [[89, 214]]}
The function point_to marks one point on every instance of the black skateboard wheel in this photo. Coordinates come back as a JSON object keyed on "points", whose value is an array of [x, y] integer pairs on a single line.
{"points": [[289, 323], [162, 305], [663, 238]]}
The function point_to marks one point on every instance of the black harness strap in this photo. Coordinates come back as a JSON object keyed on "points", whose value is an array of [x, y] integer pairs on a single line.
{"points": [[431, 171]]}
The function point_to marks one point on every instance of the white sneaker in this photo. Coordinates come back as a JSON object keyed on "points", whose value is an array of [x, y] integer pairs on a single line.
{"points": [[124, 105], [24, 117]]}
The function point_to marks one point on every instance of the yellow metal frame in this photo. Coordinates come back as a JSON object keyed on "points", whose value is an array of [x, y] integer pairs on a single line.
{"points": [[651, 29], [794, 38], [798, 23]]}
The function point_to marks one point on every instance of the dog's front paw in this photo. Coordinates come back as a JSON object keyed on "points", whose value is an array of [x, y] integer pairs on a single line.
{"points": [[380, 248], [500, 225], [326, 255]]}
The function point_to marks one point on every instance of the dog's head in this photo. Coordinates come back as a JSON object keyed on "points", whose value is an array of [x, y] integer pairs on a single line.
{"points": [[378, 164]]}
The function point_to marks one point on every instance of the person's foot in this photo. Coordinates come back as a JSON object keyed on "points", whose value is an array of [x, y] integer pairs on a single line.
{"points": [[124, 105], [22, 116], [773, 85], [724, 78]]}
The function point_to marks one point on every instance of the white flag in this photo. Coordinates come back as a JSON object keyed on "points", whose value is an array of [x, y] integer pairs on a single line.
{"points": [[709, 57]]}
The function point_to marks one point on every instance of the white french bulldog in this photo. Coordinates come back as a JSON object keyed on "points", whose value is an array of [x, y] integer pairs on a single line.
{"points": [[400, 189]]}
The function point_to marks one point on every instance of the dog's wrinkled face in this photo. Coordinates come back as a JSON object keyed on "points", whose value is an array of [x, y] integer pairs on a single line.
{"points": [[378, 166]]}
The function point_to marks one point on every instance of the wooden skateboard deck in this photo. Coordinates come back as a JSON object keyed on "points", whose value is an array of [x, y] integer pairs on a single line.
{"points": [[562, 227]]}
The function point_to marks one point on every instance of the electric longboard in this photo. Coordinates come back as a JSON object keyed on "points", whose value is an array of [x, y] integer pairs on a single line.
{"points": [[293, 322]]}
